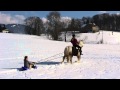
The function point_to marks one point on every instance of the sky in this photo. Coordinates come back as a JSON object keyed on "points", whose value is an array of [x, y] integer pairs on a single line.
{"points": [[18, 17]]}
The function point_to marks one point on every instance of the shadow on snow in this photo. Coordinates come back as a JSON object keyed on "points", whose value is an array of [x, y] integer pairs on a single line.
{"points": [[18, 69], [48, 63], [39, 63]]}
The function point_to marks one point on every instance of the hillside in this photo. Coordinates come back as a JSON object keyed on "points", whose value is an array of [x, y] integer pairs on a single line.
{"points": [[16, 28], [95, 38], [100, 61]]}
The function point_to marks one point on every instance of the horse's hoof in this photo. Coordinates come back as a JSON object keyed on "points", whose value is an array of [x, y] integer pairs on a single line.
{"points": [[61, 62], [77, 61]]}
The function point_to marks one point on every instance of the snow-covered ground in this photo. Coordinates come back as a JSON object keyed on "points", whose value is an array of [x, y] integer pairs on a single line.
{"points": [[99, 60], [96, 38]]}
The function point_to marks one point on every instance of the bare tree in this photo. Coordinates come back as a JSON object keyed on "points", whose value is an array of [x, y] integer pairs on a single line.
{"points": [[54, 24], [75, 25], [65, 24], [34, 25], [38, 26]]}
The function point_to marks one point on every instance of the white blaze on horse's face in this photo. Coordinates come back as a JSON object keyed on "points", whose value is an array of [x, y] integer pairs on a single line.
{"points": [[81, 43]]}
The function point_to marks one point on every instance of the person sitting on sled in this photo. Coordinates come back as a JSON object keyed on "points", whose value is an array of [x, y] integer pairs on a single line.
{"points": [[75, 43], [28, 64]]}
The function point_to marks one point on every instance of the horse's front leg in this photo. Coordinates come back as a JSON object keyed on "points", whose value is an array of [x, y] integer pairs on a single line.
{"points": [[63, 59], [68, 59], [78, 56], [71, 59]]}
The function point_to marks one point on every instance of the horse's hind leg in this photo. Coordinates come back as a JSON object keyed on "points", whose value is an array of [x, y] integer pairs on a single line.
{"points": [[78, 56], [71, 59], [63, 59], [68, 59]]}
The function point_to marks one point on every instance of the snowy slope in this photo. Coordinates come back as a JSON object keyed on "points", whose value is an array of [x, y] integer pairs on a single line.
{"points": [[16, 28], [98, 61]]}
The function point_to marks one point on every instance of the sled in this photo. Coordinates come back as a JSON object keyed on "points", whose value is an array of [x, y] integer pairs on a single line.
{"points": [[25, 68]]}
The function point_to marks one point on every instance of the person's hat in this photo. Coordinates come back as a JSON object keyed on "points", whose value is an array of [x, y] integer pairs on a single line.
{"points": [[73, 35]]}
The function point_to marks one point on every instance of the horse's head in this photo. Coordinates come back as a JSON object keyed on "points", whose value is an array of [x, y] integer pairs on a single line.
{"points": [[81, 43]]}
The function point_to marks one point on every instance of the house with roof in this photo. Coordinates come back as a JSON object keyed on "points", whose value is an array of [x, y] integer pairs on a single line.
{"points": [[91, 27], [3, 28], [5, 31]]}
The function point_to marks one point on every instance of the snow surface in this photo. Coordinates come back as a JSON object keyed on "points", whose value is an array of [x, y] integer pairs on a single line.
{"points": [[95, 38], [100, 61]]}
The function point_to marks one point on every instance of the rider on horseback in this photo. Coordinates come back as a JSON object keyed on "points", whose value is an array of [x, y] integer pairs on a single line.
{"points": [[75, 43]]}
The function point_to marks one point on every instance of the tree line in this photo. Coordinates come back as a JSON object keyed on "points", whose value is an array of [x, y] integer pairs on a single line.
{"points": [[2, 27], [55, 25]]}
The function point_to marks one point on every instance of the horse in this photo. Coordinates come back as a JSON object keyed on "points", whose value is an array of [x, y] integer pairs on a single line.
{"points": [[68, 53]]}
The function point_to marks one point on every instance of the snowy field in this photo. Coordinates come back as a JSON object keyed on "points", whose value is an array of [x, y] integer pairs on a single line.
{"points": [[100, 61]]}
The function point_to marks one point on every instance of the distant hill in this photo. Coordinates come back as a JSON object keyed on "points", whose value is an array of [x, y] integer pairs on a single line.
{"points": [[16, 28]]}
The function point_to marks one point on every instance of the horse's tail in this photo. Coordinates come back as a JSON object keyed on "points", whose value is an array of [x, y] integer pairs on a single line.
{"points": [[68, 50]]}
